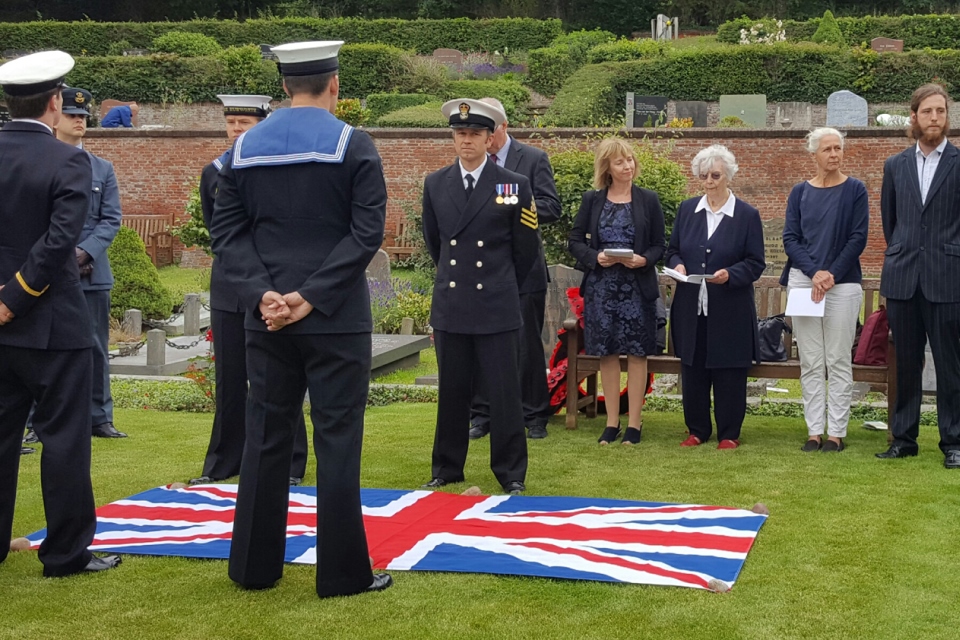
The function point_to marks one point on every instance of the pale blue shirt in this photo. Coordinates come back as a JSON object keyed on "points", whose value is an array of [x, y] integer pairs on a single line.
{"points": [[502, 154], [927, 168]]}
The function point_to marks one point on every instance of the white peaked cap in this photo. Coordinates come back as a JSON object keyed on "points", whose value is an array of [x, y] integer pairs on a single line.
{"points": [[308, 58], [465, 112], [35, 73]]}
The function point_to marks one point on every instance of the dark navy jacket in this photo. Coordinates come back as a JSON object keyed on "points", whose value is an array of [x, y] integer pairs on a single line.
{"points": [[45, 187], [222, 295]]}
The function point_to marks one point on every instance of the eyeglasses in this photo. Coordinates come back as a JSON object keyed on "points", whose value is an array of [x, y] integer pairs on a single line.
{"points": [[716, 175]]}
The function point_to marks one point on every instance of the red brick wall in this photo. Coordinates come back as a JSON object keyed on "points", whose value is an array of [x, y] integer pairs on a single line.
{"points": [[155, 168]]}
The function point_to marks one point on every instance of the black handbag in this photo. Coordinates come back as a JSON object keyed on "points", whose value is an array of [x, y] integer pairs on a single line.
{"points": [[770, 332]]}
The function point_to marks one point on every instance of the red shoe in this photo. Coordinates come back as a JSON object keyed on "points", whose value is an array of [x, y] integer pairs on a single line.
{"points": [[728, 444], [691, 441]]}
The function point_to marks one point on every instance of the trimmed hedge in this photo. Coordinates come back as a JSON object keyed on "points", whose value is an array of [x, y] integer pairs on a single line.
{"points": [[511, 93], [95, 38], [549, 67], [595, 94], [917, 31], [381, 104], [422, 116]]}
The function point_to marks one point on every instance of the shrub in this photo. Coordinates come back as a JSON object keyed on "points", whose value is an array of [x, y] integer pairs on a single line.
{"points": [[423, 116], [829, 31], [422, 74], [548, 69], [625, 49], [511, 93], [193, 232], [579, 43], [731, 122], [352, 112], [379, 104], [381, 395], [244, 68], [391, 302], [573, 173], [136, 283], [185, 44], [161, 396], [764, 31], [587, 99], [368, 68]]}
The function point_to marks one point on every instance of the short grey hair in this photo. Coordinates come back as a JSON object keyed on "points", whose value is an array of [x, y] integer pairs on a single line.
{"points": [[818, 134], [499, 105], [703, 161]]}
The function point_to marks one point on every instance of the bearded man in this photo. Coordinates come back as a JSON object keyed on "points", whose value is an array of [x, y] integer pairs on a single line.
{"points": [[921, 272]]}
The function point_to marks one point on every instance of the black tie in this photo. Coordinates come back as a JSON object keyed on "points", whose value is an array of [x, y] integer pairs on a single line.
{"points": [[469, 185]]}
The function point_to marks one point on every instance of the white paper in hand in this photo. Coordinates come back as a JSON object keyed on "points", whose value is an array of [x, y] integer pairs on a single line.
{"points": [[800, 303], [692, 279]]}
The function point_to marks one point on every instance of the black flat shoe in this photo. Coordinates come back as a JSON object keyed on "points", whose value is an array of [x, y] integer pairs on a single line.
{"points": [[831, 446], [380, 582], [812, 445], [898, 451], [102, 564], [952, 460], [632, 436], [537, 432], [107, 430], [479, 432], [610, 434], [436, 483], [514, 488]]}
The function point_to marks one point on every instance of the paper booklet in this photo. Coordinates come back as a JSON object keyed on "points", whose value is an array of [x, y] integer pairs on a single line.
{"points": [[800, 303], [692, 279]]}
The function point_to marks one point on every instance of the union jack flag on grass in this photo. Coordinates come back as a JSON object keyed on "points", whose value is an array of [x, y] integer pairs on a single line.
{"points": [[553, 537]]}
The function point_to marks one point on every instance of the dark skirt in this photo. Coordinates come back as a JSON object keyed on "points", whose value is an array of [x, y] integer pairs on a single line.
{"points": [[617, 319]]}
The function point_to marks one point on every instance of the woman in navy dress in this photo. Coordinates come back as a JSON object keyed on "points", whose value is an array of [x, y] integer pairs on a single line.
{"points": [[619, 293]]}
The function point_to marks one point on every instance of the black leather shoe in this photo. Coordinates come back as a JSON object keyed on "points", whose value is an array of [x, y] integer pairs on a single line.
{"points": [[27, 450], [380, 582], [898, 451], [204, 480], [102, 564], [295, 482], [952, 460], [107, 430], [31, 437], [537, 432], [812, 444], [436, 483], [479, 431], [831, 446], [514, 488]]}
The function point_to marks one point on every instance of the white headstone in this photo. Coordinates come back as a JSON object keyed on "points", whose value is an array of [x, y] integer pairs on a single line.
{"points": [[846, 109]]}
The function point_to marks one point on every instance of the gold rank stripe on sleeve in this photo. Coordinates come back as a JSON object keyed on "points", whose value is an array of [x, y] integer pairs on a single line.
{"points": [[529, 218], [26, 287]]}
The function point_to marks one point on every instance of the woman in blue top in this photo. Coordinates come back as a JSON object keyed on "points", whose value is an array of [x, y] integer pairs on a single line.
{"points": [[824, 234]]}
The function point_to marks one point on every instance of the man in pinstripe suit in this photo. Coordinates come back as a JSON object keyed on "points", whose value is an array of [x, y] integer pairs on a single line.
{"points": [[920, 207]]}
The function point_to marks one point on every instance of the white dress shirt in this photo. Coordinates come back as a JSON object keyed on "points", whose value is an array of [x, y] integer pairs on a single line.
{"points": [[475, 173], [502, 154], [713, 221], [927, 168]]}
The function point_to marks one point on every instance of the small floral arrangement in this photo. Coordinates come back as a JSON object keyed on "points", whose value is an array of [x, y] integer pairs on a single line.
{"points": [[680, 123], [767, 31]]}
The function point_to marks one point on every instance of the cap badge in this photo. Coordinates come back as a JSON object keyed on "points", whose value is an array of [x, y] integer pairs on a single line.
{"points": [[79, 99], [464, 111]]}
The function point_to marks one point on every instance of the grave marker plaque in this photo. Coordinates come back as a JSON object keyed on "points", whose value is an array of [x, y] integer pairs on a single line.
{"points": [[794, 115], [846, 109], [773, 250], [696, 110], [886, 44], [752, 109], [648, 111]]}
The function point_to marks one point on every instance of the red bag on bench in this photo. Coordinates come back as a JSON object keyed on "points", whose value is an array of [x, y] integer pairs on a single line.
{"points": [[872, 348]]}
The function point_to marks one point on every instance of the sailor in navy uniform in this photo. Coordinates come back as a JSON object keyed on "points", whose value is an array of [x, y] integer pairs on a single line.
{"points": [[480, 227], [45, 334], [227, 314], [299, 214]]}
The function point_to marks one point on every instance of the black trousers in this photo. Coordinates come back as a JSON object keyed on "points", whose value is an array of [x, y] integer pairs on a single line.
{"points": [[59, 383], [336, 369], [729, 394], [463, 359], [534, 393], [912, 322], [98, 306], [229, 431]]}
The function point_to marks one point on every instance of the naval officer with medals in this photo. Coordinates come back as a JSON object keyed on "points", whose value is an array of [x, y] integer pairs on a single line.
{"points": [[480, 227], [299, 214], [241, 113]]}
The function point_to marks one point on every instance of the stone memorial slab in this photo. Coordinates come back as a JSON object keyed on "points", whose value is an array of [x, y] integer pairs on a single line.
{"points": [[794, 115], [451, 57], [696, 110], [751, 108], [4, 115], [929, 375], [846, 109], [557, 307], [393, 352], [379, 267], [773, 250], [266, 52], [647, 111], [886, 44]]}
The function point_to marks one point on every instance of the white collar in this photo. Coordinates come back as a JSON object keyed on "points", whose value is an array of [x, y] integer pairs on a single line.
{"points": [[938, 150], [34, 121], [475, 173], [726, 209]]}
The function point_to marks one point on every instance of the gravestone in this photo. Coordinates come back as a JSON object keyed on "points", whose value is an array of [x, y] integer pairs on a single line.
{"points": [[751, 108], [929, 375], [451, 57], [4, 115], [266, 52], [846, 109], [647, 111], [379, 268], [696, 110], [664, 28], [773, 251], [886, 44], [392, 352], [557, 308], [794, 115]]}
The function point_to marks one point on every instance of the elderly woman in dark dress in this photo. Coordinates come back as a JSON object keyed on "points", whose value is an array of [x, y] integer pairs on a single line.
{"points": [[713, 324], [619, 293]]}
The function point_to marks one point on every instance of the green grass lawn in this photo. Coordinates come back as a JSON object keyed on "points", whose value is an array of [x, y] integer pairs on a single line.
{"points": [[180, 281], [854, 547]]}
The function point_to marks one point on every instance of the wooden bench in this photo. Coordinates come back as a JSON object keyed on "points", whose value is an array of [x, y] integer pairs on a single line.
{"points": [[158, 241], [403, 246], [770, 300]]}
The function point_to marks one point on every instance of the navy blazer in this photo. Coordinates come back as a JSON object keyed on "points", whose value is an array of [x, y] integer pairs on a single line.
{"points": [[483, 250], [223, 297], [101, 225], [46, 195], [737, 246], [923, 240], [649, 239], [309, 227], [535, 165]]}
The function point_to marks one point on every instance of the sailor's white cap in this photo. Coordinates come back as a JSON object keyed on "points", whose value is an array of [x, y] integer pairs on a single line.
{"points": [[308, 58], [257, 106], [35, 73]]}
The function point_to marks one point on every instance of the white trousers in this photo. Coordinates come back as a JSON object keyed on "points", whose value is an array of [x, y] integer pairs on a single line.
{"points": [[824, 345]]}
